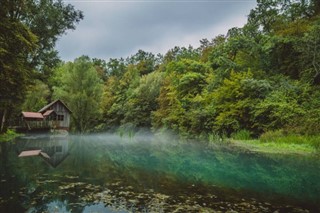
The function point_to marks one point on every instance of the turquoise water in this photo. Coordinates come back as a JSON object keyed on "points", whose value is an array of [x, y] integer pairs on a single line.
{"points": [[106, 173]]}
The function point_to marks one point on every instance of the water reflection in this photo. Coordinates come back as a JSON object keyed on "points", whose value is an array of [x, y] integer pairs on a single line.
{"points": [[52, 149], [106, 173]]}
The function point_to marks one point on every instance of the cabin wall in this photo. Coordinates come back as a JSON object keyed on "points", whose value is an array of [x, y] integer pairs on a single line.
{"points": [[61, 110]]}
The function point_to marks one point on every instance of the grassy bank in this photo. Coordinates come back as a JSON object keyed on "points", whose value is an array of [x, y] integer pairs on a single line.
{"points": [[272, 147], [8, 136], [278, 141]]}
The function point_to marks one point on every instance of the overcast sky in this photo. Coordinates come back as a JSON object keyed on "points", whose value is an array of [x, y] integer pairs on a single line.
{"points": [[114, 29]]}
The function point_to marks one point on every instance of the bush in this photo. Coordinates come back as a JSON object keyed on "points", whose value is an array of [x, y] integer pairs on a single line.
{"points": [[271, 136], [8, 136], [242, 135]]}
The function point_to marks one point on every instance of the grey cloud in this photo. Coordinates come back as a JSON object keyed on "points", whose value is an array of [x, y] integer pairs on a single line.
{"points": [[118, 29]]}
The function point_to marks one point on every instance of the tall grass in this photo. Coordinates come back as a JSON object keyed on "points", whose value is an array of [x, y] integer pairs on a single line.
{"points": [[127, 130], [242, 135], [281, 137], [215, 137]]}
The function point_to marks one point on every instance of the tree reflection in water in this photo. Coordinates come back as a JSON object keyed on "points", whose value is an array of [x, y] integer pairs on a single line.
{"points": [[107, 173]]}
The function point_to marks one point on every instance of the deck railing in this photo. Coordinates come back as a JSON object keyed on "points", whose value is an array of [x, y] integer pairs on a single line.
{"points": [[37, 124]]}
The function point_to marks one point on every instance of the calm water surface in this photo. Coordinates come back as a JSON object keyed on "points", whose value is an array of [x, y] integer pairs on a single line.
{"points": [[105, 173]]}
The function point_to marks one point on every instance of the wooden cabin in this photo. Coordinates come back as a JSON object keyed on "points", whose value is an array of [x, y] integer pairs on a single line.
{"points": [[33, 120], [55, 115], [59, 112]]}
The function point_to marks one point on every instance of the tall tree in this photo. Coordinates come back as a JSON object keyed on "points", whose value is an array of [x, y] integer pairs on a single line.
{"points": [[48, 20], [309, 47], [143, 100], [28, 33], [81, 89], [17, 42], [36, 97]]}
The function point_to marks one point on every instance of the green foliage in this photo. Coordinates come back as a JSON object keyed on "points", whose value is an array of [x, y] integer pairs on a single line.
{"points": [[255, 80], [180, 100], [36, 97], [143, 100], [116, 97], [309, 49], [280, 106], [48, 26], [28, 33], [280, 137], [81, 89], [8, 135], [170, 109], [17, 42], [241, 135], [234, 101], [271, 136], [217, 138], [180, 53], [191, 83]]}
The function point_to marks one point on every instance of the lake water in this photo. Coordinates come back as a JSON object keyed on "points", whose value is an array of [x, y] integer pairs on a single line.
{"points": [[107, 173]]}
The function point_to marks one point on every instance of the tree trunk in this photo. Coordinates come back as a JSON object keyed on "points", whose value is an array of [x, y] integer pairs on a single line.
{"points": [[3, 120]]}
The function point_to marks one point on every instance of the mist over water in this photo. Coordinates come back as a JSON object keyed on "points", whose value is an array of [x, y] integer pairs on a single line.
{"points": [[151, 173]]}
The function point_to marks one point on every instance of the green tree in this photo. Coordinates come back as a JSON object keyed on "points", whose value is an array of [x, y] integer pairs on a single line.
{"points": [[37, 96], [280, 106], [81, 89], [178, 53], [48, 20], [117, 93], [170, 110], [309, 49], [116, 67], [145, 62], [235, 100], [180, 98], [143, 101], [28, 32], [17, 42]]}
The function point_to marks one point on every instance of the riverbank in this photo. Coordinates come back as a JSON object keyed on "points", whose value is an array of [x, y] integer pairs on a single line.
{"points": [[271, 142], [274, 148], [8, 136]]}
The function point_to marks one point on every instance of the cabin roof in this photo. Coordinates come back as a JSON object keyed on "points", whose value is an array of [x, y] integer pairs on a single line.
{"points": [[45, 108], [30, 153], [48, 112], [36, 115]]}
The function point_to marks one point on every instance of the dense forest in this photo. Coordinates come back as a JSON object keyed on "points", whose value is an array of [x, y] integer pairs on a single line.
{"points": [[259, 79]]}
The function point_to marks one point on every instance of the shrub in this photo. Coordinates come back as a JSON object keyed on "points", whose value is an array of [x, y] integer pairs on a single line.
{"points": [[8, 136], [242, 135], [271, 136]]}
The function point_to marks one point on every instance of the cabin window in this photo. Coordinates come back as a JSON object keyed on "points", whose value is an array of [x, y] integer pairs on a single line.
{"points": [[60, 117]]}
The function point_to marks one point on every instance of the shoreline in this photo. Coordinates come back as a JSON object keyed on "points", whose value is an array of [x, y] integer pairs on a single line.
{"points": [[274, 148]]}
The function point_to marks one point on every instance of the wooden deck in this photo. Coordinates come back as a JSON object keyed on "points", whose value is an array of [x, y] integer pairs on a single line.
{"points": [[35, 126]]}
